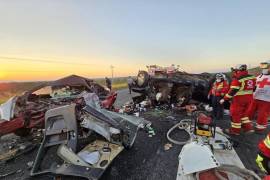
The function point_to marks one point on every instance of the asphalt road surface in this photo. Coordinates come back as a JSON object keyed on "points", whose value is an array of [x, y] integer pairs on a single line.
{"points": [[123, 96], [147, 159]]}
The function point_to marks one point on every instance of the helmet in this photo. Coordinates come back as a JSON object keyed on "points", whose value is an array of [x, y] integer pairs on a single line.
{"points": [[265, 65], [239, 67], [219, 76]]}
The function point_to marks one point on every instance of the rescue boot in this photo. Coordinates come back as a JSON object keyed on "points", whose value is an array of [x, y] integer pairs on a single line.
{"points": [[231, 131], [247, 125], [248, 129], [259, 131]]}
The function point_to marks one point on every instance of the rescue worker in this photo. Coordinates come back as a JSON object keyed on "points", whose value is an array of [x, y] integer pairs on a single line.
{"points": [[263, 157], [241, 94], [219, 88], [130, 83], [108, 83], [261, 98]]}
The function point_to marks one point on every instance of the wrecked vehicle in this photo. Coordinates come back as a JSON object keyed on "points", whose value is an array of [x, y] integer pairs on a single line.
{"points": [[84, 139], [169, 85], [22, 113]]}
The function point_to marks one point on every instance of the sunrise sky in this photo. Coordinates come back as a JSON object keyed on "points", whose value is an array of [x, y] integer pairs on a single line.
{"points": [[44, 40]]}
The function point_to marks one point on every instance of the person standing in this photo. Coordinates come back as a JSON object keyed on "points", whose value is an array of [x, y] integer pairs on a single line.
{"points": [[261, 98], [218, 89], [241, 95], [108, 83], [130, 83]]}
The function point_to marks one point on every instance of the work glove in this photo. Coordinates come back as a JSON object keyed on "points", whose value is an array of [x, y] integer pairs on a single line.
{"points": [[222, 101], [260, 162]]}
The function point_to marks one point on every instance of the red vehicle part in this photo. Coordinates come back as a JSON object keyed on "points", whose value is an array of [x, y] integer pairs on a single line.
{"points": [[35, 119], [203, 119], [7, 127], [109, 101]]}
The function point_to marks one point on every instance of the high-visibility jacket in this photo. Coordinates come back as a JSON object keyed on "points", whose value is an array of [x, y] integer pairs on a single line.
{"points": [[219, 88], [241, 86], [264, 146]]}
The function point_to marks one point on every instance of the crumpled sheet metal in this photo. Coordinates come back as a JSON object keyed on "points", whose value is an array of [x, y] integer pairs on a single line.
{"points": [[72, 80], [70, 157], [61, 132], [59, 121], [129, 124], [99, 127], [107, 151], [60, 128]]}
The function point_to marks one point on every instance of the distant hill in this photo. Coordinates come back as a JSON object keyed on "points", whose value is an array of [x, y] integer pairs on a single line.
{"points": [[8, 90]]}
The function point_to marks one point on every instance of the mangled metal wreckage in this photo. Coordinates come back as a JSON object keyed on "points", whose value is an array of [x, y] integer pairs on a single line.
{"points": [[84, 139], [169, 85], [22, 113]]}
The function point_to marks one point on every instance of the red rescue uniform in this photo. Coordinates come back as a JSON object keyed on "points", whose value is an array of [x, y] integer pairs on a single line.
{"points": [[241, 93], [261, 102], [263, 157], [219, 88]]}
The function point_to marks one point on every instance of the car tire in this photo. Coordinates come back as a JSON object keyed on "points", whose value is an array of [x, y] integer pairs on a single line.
{"points": [[142, 78]]}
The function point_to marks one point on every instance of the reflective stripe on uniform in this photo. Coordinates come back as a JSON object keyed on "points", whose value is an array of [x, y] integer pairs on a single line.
{"points": [[241, 90], [228, 96], [236, 125], [267, 142], [246, 78], [259, 126], [220, 86], [235, 87], [259, 161], [245, 120], [217, 88]]}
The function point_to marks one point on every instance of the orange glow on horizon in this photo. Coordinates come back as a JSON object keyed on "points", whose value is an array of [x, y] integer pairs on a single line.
{"points": [[42, 71], [38, 71]]}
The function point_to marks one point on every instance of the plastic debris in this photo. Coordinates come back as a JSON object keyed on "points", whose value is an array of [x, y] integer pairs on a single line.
{"points": [[167, 146], [151, 131], [90, 157], [30, 164]]}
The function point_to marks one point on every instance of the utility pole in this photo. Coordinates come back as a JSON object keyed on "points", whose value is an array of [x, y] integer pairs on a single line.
{"points": [[112, 67]]}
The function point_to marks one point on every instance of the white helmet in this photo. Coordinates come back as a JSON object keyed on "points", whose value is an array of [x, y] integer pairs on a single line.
{"points": [[265, 67], [239, 67]]}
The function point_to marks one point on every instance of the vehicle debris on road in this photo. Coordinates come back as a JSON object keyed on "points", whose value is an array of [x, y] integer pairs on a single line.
{"points": [[22, 113], [167, 146], [111, 132]]}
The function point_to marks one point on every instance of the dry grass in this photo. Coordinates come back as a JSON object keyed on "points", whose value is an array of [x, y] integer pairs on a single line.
{"points": [[119, 86]]}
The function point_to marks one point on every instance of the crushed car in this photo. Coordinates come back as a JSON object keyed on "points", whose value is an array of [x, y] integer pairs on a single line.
{"points": [[172, 86], [81, 140], [22, 113]]}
